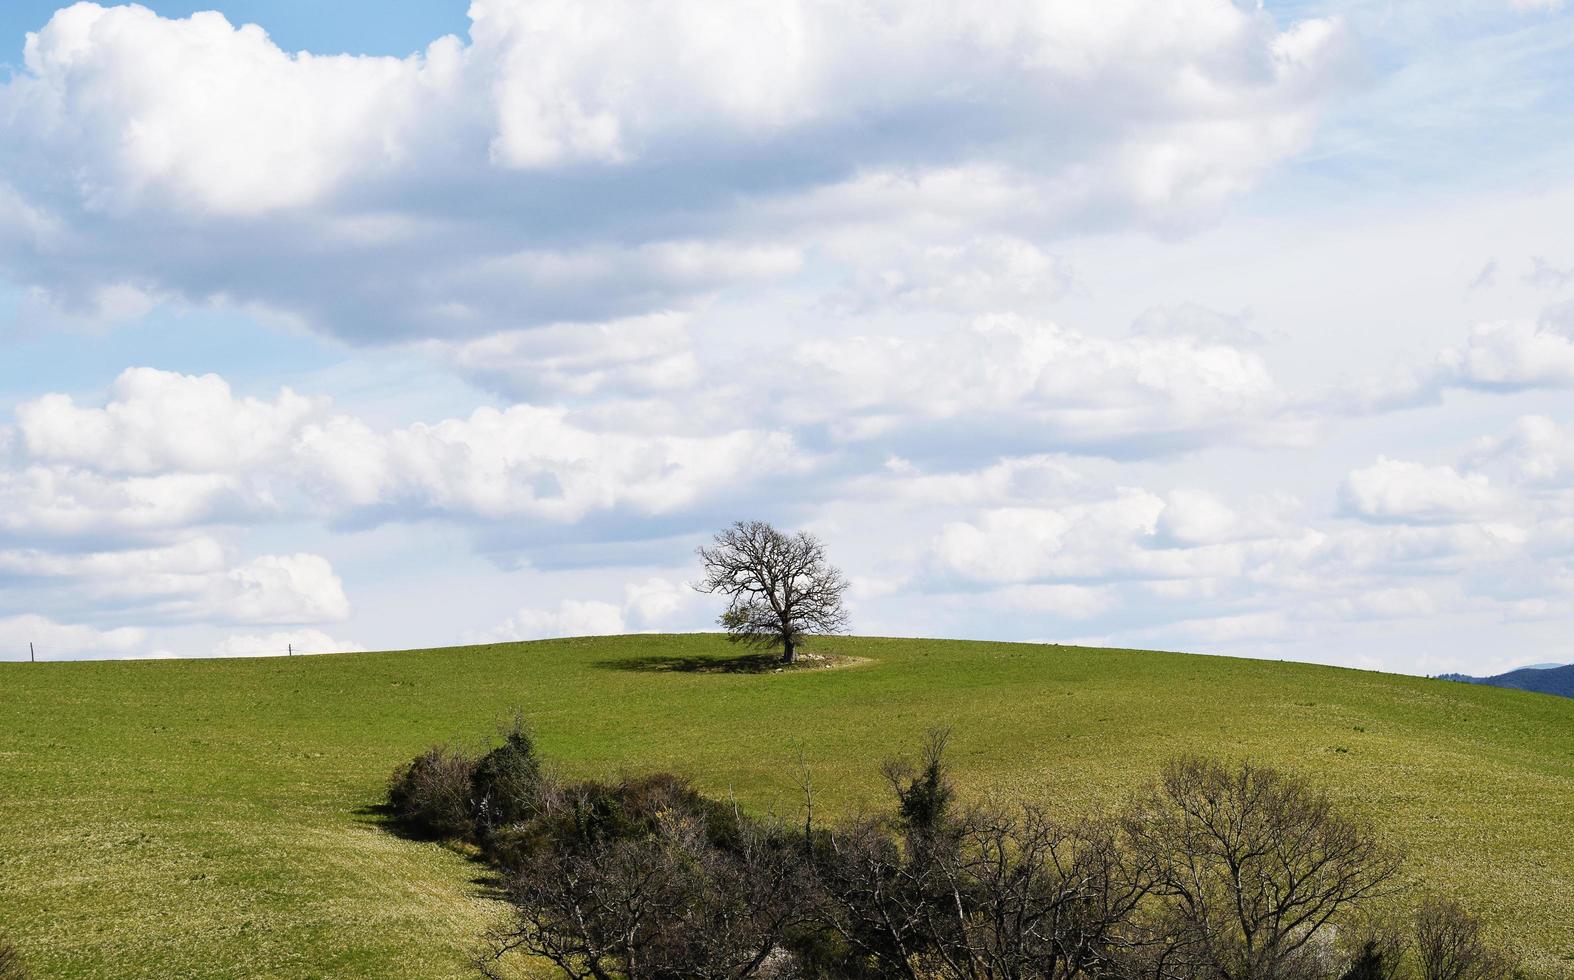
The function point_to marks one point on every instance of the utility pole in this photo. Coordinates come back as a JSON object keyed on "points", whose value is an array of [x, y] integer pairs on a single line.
{"points": [[291, 649]]}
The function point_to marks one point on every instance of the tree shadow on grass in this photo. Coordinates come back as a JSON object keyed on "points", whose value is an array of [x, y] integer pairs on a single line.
{"points": [[749, 663], [489, 881]]}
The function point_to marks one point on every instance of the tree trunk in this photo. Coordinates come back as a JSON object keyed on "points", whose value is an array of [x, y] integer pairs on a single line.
{"points": [[789, 652]]}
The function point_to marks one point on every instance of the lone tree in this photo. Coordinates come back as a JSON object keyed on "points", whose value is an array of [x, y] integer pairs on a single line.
{"points": [[779, 586]]}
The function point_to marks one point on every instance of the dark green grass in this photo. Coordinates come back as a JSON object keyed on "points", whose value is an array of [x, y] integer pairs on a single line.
{"points": [[214, 818]]}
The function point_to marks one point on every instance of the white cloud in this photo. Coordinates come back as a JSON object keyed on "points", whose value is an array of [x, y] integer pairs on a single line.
{"points": [[194, 162], [60, 641], [1512, 354], [1016, 479], [1403, 491], [1501, 356], [200, 115], [194, 579], [168, 452], [158, 421], [299, 588], [649, 605], [1018, 544], [528, 460], [280, 644], [1060, 601], [1198, 322], [656, 602], [638, 355], [1003, 376], [39, 502], [984, 274], [571, 617], [1537, 451]]}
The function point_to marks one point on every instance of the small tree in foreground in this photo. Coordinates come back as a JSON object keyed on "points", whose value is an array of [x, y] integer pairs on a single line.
{"points": [[779, 586]]}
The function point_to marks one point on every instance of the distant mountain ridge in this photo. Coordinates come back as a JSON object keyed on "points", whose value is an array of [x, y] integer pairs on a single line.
{"points": [[1547, 679]]}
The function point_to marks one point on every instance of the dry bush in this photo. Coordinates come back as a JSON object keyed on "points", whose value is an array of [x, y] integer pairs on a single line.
{"points": [[1449, 945], [11, 965], [666, 903], [432, 795], [1215, 872], [1250, 867]]}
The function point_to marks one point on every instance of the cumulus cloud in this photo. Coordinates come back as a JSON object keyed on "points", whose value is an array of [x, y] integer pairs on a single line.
{"points": [[527, 460], [1060, 601], [1008, 383], [1545, 275], [41, 503], [571, 617], [1120, 534], [1500, 356], [169, 451], [1510, 355], [1408, 492], [158, 421], [282, 643], [648, 605], [1536, 451], [300, 588], [193, 161], [981, 274], [1193, 569], [63, 641], [195, 579], [637, 356], [212, 118]]}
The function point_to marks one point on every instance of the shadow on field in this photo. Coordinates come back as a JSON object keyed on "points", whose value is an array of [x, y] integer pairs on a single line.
{"points": [[489, 883], [749, 663], [380, 815]]}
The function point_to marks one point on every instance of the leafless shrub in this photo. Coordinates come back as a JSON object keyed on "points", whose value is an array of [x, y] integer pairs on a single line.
{"points": [[989, 892], [1449, 945], [11, 965], [1215, 872], [665, 905], [1029, 896], [1250, 866], [432, 794]]}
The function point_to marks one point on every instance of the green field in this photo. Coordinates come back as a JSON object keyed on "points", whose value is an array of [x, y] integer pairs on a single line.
{"points": [[211, 818]]}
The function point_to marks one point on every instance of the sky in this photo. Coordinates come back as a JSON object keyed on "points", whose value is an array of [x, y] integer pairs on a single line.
{"points": [[1204, 325]]}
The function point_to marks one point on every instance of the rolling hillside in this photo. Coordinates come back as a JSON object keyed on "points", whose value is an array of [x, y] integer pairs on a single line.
{"points": [[215, 818]]}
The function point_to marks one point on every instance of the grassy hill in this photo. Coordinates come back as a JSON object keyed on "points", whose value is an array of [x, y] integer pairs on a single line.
{"points": [[211, 818]]}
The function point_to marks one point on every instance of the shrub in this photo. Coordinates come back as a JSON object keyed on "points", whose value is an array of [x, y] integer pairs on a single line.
{"points": [[1450, 946], [667, 903], [1250, 866], [1235, 872], [431, 795], [923, 796], [506, 785], [11, 965]]}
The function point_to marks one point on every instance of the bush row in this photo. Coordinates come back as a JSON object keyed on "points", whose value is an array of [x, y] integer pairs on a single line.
{"points": [[1211, 872]]}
